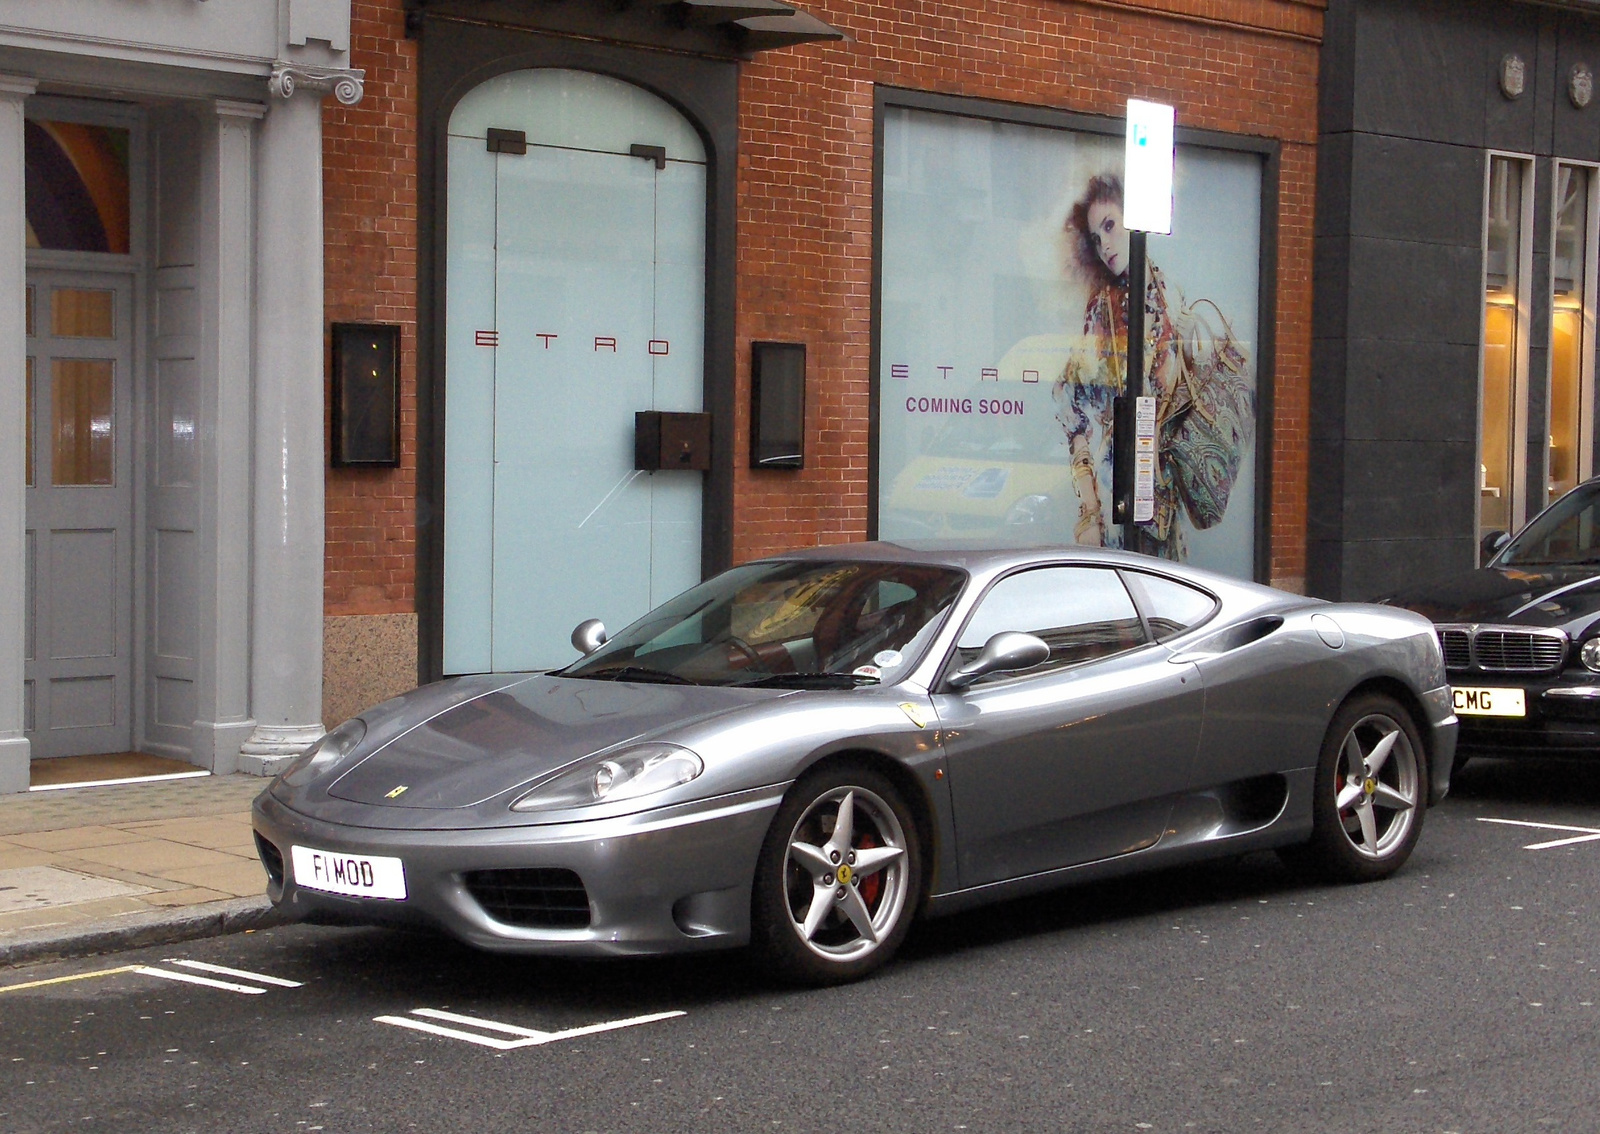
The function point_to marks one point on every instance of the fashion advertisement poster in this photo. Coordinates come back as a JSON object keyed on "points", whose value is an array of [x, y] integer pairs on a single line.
{"points": [[1003, 339]]}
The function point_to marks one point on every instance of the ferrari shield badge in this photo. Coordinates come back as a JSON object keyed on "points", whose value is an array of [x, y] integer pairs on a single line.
{"points": [[397, 792], [914, 713]]}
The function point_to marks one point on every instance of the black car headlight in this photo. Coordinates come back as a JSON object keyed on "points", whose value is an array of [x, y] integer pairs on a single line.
{"points": [[1589, 654], [643, 769], [325, 753]]}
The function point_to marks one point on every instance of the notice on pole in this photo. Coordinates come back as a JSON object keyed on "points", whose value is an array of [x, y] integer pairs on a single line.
{"points": [[1147, 167], [1144, 460]]}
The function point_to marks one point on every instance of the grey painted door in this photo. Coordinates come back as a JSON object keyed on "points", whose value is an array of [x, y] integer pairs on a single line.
{"points": [[79, 585], [1078, 762]]}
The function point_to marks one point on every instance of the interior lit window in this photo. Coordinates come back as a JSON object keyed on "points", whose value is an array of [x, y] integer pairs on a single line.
{"points": [[27, 428], [81, 439], [1503, 311], [1571, 323]]}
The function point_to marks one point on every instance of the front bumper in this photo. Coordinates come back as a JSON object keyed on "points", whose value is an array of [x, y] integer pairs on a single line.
{"points": [[1443, 731], [1563, 717], [674, 879]]}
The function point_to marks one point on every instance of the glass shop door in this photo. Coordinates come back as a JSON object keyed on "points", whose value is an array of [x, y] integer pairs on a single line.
{"points": [[576, 298]]}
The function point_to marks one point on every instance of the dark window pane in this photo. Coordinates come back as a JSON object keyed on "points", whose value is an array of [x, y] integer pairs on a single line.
{"points": [[77, 186]]}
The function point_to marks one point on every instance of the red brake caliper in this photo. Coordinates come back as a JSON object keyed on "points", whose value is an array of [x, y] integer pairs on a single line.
{"points": [[872, 884]]}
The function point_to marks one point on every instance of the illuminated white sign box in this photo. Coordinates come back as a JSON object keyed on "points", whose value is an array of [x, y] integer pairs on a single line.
{"points": [[1147, 168]]}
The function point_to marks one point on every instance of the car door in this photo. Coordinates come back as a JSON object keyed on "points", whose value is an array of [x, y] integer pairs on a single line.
{"points": [[1077, 759]]}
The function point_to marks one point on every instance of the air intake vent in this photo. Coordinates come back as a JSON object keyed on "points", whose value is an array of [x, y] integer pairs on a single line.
{"points": [[533, 899], [1502, 649], [271, 858], [1457, 645]]}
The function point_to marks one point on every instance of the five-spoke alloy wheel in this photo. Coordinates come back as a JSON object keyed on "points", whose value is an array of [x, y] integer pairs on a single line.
{"points": [[1370, 794], [839, 877]]}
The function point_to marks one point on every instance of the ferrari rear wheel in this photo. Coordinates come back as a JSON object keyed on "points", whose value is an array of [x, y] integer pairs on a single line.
{"points": [[839, 877], [1370, 793]]}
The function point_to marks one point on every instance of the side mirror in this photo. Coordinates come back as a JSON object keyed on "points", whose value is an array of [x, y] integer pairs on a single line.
{"points": [[589, 636], [1492, 542], [1005, 652]]}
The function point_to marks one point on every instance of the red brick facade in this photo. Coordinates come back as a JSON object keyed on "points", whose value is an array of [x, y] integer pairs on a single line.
{"points": [[370, 274], [805, 224]]}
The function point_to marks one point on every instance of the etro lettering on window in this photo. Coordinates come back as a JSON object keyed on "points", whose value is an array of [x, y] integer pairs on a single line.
{"points": [[1002, 328]]}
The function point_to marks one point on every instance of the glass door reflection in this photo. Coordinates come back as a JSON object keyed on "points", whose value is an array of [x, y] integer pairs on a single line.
{"points": [[1504, 307], [1567, 453]]}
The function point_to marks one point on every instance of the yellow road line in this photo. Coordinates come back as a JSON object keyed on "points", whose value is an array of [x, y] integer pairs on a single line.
{"points": [[64, 979]]}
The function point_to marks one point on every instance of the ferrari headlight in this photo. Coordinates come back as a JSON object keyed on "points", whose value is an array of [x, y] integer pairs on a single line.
{"points": [[1590, 654], [325, 753], [641, 770]]}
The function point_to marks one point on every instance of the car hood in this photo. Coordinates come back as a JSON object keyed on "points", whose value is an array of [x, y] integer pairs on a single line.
{"points": [[1563, 597], [502, 739]]}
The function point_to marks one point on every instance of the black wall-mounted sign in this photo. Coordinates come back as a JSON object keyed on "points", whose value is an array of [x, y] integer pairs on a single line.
{"points": [[777, 405], [507, 141], [671, 442], [366, 395]]}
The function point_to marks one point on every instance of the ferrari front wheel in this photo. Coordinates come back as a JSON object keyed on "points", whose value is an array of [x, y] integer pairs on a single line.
{"points": [[1370, 793], [838, 879]]}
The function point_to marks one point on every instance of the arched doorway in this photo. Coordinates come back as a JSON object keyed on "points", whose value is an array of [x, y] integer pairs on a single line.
{"points": [[575, 276]]}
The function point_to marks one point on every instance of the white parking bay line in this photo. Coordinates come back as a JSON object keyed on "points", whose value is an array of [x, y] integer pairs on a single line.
{"points": [[243, 974], [1588, 835], [526, 1037], [190, 978]]}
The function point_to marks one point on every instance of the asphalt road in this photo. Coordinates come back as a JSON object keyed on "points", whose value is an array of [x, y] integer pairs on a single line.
{"points": [[1459, 996]]}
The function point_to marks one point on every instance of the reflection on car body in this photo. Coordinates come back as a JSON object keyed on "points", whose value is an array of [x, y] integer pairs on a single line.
{"points": [[808, 751]]}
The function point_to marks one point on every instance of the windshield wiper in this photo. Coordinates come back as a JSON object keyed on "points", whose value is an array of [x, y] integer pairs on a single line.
{"points": [[635, 673], [808, 681]]}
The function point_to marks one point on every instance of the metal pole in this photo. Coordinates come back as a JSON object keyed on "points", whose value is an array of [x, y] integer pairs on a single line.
{"points": [[1122, 439]]}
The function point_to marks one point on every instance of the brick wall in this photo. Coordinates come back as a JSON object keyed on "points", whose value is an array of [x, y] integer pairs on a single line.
{"points": [[805, 224], [370, 272], [805, 198]]}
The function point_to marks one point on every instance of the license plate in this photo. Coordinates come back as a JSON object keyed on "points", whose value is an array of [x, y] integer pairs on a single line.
{"points": [[1489, 702], [356, 875]]}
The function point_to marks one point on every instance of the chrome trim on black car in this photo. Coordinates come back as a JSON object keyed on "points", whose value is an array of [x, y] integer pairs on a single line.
{"points": [[1501, 649]]}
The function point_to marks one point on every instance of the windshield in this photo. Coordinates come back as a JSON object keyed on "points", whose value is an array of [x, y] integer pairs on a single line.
{"points": [[797, 624], [1566, 532]]}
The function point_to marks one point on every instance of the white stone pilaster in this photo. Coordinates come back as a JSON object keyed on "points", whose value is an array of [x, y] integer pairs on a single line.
{"points": [[286, 606], [227, 287], [14, 746]]}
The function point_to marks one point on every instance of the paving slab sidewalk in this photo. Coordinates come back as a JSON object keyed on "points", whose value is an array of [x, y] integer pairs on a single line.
{"points": [[93, 869]]}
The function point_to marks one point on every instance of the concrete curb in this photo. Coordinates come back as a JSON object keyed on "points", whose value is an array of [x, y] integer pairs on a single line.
{"points": [[137, 931]]}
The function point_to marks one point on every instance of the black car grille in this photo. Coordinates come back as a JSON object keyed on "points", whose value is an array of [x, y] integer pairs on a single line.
{"points": [[271, 858], [1497, 649], [544, 898]]}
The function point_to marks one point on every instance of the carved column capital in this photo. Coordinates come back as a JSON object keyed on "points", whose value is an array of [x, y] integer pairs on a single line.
{"points": [[346, 84]]}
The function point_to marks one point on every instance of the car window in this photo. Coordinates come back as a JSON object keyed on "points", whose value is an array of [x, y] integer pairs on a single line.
{"points": [[1170, 606], [1567, 532], [777, 622], [1082, 613]]}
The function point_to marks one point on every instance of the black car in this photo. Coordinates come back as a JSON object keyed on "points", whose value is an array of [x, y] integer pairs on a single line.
{"points": [[1521, 635]]}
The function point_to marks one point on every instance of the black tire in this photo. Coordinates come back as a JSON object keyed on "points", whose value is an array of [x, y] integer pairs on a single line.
{"points": [[1344, 847], [790, 886]]}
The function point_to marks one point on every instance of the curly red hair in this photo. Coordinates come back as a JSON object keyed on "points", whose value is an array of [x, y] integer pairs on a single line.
{"points": [[1107, 187]]}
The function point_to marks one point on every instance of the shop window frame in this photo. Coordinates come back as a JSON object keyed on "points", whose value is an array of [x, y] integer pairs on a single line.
{"points": [[1517, 488], [886, 98], [1587, 346]]}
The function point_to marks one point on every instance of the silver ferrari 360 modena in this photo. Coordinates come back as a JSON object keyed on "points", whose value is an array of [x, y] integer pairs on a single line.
{"points": [[805, 753]]}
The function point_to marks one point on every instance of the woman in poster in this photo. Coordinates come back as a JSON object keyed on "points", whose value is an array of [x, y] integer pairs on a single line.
{"points": [[1194, 368]]}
